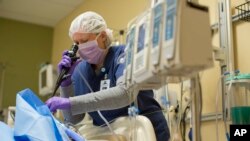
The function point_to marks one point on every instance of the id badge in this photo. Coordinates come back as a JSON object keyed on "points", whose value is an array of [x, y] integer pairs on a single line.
{"points": [[105, 84]]}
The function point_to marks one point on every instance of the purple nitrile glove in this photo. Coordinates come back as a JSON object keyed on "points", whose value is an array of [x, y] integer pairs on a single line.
{"points": [[66, 62], [55, 103], [74, 135]]}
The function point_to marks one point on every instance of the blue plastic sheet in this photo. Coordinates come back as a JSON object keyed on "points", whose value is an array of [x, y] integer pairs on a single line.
{"points": [[34, 121], [6, 133]]}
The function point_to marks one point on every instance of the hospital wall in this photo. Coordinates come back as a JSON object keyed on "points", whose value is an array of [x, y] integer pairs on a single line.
{"points": [[210, 78], [118, 13], [23, 48]]}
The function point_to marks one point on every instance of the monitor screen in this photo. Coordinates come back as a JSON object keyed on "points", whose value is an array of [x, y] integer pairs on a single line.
{"points": [[46, 80], [141, 38]]}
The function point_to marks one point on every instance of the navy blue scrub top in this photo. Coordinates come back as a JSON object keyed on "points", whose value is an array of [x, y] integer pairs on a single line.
{"points": [[113, 70]]}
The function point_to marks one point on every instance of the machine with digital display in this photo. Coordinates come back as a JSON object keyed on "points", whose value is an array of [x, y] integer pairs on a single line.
{"points": [[156, 31], [186, 40], [143, 72], [129, 51]]}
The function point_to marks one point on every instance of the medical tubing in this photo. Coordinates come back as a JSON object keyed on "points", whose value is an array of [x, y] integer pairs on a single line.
{"points": [[200, 95], [100, 114], [216, 108], [59, 79], [72, 54], [180, 114], [183, 118], [228, 102], [136, 110], [216, 103], [166, 91]]}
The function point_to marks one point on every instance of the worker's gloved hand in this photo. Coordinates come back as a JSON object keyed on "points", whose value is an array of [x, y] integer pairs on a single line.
{"points": [[66, 62], [55, 103], [74, 135]]}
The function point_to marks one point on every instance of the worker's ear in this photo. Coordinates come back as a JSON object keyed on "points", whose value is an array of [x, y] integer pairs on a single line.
{"points": [[103, 36]]}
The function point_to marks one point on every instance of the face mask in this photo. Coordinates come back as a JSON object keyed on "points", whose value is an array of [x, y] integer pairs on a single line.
{"points": [[91, 52]]}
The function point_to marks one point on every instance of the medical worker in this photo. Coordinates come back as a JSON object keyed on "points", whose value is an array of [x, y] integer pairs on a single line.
{"points": [[96, 82]]}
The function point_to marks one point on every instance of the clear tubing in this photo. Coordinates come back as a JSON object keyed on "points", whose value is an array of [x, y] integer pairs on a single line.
{"points": [[216, 111], [99, 113], [227, 103]]}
